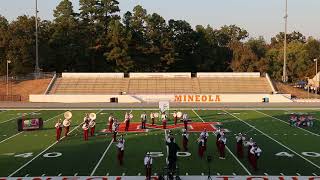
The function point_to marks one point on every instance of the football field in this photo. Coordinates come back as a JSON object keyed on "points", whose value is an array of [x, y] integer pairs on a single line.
{"points": [[288, 151]]}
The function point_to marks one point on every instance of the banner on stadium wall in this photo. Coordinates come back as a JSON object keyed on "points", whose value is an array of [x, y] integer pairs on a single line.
{"points": [[197, 98], [156, 178]]}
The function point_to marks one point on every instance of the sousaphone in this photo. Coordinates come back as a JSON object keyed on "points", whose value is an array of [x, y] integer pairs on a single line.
{"points": [[179, 114], [92, 116], [68, 115]]}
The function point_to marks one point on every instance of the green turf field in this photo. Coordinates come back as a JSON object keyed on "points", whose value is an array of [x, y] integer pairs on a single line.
{"points": [[286, 150]]}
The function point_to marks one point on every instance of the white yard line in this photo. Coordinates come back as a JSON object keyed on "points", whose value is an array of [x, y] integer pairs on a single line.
{"points": [[102, 157], [286, 122], [226, 147], [22, 131], [274, 140], [18, 117], [44, 151]]}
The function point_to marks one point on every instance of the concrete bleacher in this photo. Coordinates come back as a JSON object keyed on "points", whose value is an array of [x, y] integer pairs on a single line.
{"points": [[161, 83]]}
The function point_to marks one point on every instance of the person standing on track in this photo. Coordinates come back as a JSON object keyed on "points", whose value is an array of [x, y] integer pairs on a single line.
{"points": [[58, 127], [148, 165], [127, 121]]}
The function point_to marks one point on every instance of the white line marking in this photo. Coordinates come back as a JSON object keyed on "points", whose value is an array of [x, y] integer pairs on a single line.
{"points": [[139, 174], [76, 174], [26, 175], [298, 174], [40, 153], [59, 174], [275, 140], [100, 160], [286, 122], [155, 174], [43, 175], [202, 174], [227, 148], [187, 174], [234, 174], [108, 174], [218, 174], [314, 174], [281, 174], [266, 174], [123, 174]]}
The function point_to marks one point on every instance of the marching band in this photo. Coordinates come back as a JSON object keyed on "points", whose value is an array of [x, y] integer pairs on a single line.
{"points": [[89, 125]]}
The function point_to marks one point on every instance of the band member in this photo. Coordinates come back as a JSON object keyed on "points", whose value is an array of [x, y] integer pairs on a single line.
{"points": [[86, 119], [218, 134], [143, 120], [202, 147], [115, 128], [152, 117], [92, 125], [120, 146], [58, 127], [110, 120], [205, 136], [148, 164], [66, 123], [164, 120], [255, 153], [222, 146], [85, 128], [250, 144], [185, 139], [185, 120], [240, 139], [127, 121], [175, 117]]}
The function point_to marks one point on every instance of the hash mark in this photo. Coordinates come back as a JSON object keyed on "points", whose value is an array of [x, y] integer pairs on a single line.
{"points": [[139, 174], [187, 174], [266, 174], [4, 135], [298, 174], [26, 175], [218, 174], [107, 174], [155, 174], [295, 134], [314, 174], [123, 174], [59, 174], [43, 175], [76, 174], [202, 174], [234, 174], [281, 174], [285, 134]]}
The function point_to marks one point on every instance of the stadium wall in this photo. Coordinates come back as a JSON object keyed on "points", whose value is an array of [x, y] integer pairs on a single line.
{"points": [[92, 75], [227, 74], [160, 75], [181, 98]]}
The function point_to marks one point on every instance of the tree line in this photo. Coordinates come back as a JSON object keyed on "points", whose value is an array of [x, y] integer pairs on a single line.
{"points": [[97, 39]]}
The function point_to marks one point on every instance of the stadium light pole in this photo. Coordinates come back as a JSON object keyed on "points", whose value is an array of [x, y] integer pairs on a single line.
{"points": [[8, 62], [285, 77], [317, 81], [37, 70]]}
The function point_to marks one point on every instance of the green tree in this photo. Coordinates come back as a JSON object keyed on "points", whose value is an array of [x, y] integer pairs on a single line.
{"points": [[4, 41]]}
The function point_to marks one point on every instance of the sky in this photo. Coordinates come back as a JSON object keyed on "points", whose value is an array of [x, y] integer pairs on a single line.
{"points": [[258, 17]]}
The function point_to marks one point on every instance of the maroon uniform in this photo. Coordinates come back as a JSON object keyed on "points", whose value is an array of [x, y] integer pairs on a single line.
{"points": [[185, 140], [92, 126], [85, 128], [58, 127], [255, 153], [66, 123], [222, 146], [175, 117], [201, 148], [240, 140]]}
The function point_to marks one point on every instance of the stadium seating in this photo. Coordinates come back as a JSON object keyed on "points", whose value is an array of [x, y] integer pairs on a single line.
{"points": [[161, 85]]}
